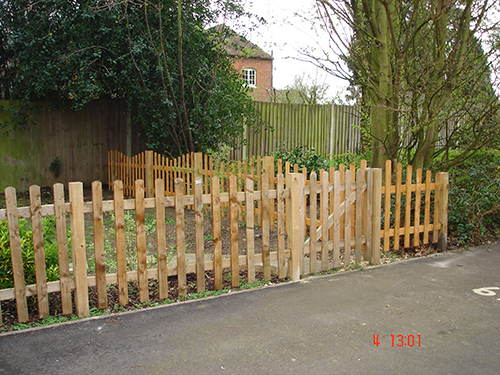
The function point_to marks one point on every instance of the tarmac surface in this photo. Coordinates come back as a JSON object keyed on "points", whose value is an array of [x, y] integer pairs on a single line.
{"points": [[424, 313]]}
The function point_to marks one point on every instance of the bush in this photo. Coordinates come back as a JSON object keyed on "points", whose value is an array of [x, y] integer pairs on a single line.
{"points": [[26, 235], [303, 156], [474, 199], [349, 158]]}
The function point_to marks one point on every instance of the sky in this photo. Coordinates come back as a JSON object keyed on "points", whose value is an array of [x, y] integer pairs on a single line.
{"points": [[284, 34]]}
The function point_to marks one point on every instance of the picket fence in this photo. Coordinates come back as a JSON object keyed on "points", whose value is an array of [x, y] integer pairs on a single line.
{"points": [[324, 220]]}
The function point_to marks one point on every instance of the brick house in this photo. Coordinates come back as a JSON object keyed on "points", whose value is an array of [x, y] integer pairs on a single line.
{"points": [[255, 65]]}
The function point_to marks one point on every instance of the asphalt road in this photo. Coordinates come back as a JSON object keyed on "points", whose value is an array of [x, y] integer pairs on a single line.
{"points": [[326, 325]]}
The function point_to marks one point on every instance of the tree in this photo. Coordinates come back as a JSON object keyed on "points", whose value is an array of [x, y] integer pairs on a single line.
{"points": [[304, 90], [418, 65], [157, 54]]}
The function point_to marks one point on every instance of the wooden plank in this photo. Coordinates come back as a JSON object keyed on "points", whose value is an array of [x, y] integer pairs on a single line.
{"points": [[387, 204], [121, 257], [443, 211], [331, 176], [140, 233], [78, 248], [306, 183], [418, 198], [180, 237], [364, 209], [313, 216], [369, 214], [39, 251], [359, 216], [342, 199], [233, 222], [250, 232], [408, 205], [296, 182], [336, 219], [241, 185], [325, 230], [397, 205], [161, 240], [427, 209], [100, 268], [269, 170], [62, 249], [377, 208], [347, 220], [16, 254], [199, 234], [352, 168], [265, 227], [259, 187], [149, 175], [437, 196], [281, 225], [216, 224]]}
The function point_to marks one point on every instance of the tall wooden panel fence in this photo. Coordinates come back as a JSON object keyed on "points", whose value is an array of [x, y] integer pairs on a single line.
{"points": [[331, 129], [323, 223]]}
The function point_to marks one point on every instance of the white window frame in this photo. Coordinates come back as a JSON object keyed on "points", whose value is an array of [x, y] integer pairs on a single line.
{"points": [[250, 77]]}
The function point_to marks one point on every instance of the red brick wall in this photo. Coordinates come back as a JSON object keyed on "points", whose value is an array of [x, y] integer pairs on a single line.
{"points": [[264, 75]]}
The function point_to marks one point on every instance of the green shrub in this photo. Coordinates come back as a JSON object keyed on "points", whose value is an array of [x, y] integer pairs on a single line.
{"points": [[474, 198], [348, 158], [303, 156], [26, 236]]}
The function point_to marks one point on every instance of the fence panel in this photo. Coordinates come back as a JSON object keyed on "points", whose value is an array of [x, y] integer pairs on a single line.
{"points": [[360, 239]]}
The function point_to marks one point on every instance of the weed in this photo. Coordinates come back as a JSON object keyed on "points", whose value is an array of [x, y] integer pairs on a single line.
{"points": [[20, 326], [94, 311], [54, 320], [119, 308], [208, 293], [255, 284], [356, 266]]}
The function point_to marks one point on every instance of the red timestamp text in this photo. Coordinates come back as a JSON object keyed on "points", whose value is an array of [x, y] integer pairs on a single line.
{"points": [[401, 340]]}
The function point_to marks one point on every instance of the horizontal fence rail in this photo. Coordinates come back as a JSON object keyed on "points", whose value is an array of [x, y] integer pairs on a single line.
{"points": [[318, 221]]}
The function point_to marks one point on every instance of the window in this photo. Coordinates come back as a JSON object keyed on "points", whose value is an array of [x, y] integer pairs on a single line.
{"points": [[250, 77]]}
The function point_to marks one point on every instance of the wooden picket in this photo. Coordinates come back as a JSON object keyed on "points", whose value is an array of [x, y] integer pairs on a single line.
{"points": [[341, 213]]}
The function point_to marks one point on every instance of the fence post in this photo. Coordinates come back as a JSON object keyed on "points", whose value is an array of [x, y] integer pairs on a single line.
{"points": [[78, 248], [443, 178], [149, 174], [38, 250], [295, 182], [16, 254], [376, 214], [269, 170], [198, 164]]}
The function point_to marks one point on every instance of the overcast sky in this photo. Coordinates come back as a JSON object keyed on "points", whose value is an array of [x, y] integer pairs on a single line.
{"points": [[284, 34]]}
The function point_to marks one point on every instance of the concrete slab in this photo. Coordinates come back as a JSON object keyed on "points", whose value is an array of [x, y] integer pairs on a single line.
{"points": [[323, 325]]}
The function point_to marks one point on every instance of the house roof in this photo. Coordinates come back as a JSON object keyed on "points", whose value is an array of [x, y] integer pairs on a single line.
{"points": [[238, 46]]}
